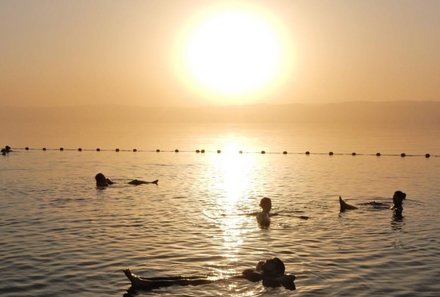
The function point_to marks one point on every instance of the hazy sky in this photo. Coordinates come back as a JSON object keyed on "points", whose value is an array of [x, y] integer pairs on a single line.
{"points": [[188, 52]]}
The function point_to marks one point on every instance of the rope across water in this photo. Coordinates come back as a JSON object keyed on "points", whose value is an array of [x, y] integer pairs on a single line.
{"points": [[203, 151]]}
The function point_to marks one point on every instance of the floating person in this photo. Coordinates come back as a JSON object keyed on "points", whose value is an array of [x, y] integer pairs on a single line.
{"points": [[103, 181], [374, 204], [271, 272], [398, 197], [7, 149]]}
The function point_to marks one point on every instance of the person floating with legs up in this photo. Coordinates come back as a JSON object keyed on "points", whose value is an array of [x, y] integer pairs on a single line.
{"points": [[397, 207], [102, 181], [271, 272]]}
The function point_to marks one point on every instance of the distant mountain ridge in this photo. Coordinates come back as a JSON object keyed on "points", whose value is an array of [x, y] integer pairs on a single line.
{"points": [[386, 113]]}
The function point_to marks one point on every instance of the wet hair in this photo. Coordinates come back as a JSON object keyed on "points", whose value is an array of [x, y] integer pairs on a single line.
{"points": [[398, 197], [273, 267], [399, 194], [101, 181], [266, 203]]}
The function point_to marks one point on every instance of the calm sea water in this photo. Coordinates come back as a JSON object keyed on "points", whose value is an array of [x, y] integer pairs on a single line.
{"points": [[60, 236]]}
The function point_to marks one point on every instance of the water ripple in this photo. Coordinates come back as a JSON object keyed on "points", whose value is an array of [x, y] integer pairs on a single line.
{"points": [[63, 237]]}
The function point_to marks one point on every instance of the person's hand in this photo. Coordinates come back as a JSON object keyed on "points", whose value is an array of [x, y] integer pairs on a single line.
{"points": [[288, 282], [251, 275], [260, 266]]}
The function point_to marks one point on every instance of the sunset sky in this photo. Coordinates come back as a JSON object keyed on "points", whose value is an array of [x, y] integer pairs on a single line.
{"points": [[194, 52]]}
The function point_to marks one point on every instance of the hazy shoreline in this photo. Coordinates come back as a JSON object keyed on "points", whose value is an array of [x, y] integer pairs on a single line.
{"points": [[393, 113]]}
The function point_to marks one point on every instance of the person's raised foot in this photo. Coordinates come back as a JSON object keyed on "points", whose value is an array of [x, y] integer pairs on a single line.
{"points": [[128, 274]]}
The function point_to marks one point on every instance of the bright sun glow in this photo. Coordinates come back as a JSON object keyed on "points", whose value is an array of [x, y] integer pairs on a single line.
{"points": [[233, 53]]}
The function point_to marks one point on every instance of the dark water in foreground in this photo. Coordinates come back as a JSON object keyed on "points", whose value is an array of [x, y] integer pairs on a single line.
{"points": [[60, 236]]}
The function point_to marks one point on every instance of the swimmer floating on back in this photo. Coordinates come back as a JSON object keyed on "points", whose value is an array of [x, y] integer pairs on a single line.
{"points": [[397, 207], [6, 150], [102, 181], [270, 272]]}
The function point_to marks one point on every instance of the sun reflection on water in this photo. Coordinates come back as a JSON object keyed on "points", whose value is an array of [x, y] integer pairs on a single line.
{"points": [[234, 173]]}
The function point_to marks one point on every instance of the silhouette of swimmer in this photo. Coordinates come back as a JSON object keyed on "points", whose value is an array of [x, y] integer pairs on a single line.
{"points": [[271, 272], [102, 181], [263, 217], [398, 198], [7, 149], [397, 207]]}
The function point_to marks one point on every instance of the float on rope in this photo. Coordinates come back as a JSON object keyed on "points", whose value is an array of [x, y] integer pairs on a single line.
{"points": [[219, 151]]}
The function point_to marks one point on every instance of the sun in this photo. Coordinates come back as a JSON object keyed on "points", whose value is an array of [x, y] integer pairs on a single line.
{"points": [[232, 53]]}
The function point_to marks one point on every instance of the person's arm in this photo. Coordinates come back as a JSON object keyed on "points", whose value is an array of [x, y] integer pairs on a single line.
{"points": [[288, 282], [251, 275]]}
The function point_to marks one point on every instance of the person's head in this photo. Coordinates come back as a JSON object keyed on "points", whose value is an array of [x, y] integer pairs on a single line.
{"points": [[398, 197], [272, 267], [266, 204], [101, 180]]}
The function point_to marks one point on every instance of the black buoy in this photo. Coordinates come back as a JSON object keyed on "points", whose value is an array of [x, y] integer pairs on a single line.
{"points": [[427, 155], [202, 151], [403, 155], [353, 154], [26, 148], [98, 149], [43, 148], [307, 153], [61, 149], [263, 152], [176, 150], [219, 151], [117, 150], [158, 151], [135, 150], [240, 152], [197, 151], [377, 154], [285, 153], [330, 153], [80, 149]]}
